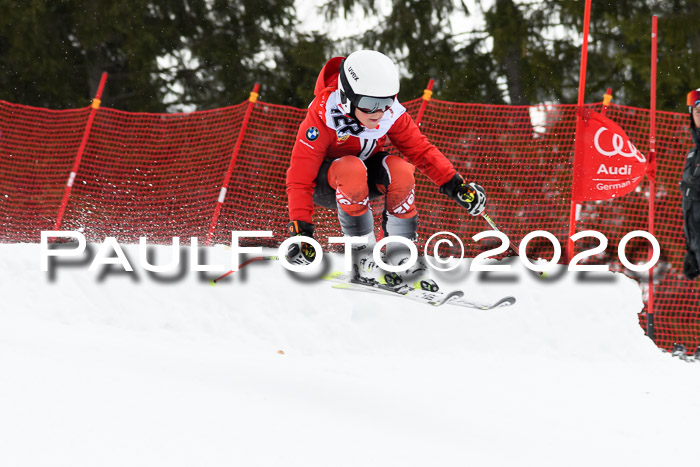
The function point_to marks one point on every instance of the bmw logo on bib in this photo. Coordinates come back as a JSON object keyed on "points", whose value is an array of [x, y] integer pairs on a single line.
{"points": [[312, 133]]}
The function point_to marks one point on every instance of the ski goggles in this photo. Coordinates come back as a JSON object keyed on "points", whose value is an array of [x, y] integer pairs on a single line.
{"points": [[693, 98], [370, 105]]}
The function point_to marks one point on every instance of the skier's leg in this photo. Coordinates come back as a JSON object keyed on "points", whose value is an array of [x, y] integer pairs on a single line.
{"points": [[348, 177], [691, 227], [342, 184], [394, 177]]}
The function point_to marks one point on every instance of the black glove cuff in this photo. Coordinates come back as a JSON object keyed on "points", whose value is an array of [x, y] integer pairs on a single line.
{"points": [[300, 228], [450, 187]]}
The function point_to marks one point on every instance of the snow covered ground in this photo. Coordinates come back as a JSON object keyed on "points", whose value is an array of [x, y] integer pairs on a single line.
{"points": [[272, 368]]}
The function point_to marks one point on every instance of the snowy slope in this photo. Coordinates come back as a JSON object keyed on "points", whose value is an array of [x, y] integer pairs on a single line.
{"points": [[274, 368]]}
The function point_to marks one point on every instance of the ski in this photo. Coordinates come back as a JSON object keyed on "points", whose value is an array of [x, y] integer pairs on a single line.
{"points": [[345, 282], [423, 296], [505, 301]]}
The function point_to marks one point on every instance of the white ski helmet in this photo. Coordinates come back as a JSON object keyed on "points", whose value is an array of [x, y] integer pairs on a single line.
{"points": [[367, 80]]}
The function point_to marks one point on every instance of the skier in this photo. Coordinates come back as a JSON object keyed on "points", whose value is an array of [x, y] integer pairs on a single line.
{"points": [[690, 191], [339, 162]]}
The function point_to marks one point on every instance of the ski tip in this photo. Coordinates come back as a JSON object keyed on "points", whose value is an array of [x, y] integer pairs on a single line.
{"points": [[461, 301], [506, 301], [456, 293], [333, 275]]}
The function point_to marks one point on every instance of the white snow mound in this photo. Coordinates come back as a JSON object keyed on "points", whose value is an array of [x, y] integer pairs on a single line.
{"points": [[271, 367]]}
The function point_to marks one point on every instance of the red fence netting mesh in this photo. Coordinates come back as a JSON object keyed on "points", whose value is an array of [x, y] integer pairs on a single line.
{"points": [[37, 150], [152, 175], [161, 175]]}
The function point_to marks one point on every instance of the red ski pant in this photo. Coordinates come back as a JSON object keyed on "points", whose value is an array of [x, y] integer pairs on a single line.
{"points": [[387, 174]]}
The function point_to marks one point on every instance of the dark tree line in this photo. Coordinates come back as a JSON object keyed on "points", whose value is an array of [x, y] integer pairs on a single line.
{"points": [[172, 54]]}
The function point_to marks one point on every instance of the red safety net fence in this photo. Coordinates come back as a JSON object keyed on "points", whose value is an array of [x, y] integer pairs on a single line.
{"points": [[205, 174]]}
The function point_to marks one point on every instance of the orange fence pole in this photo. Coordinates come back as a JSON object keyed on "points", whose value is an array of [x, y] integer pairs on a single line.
{"points": [[427, 95], [607, 98], [81, 149], [227, 178]]}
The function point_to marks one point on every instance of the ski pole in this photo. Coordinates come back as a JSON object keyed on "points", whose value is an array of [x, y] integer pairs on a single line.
{"points": [[490, 221], [245, 263]]}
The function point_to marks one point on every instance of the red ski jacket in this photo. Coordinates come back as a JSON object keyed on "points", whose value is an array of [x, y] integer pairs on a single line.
{"points": [[327, 133]]}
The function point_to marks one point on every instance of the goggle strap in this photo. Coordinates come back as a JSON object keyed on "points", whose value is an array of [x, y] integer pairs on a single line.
{"points": [[347, 89]]}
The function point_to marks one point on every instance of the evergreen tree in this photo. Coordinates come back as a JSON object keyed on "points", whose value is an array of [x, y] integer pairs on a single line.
{"points": [[292, 80], [197, 52], [533, 49], [619, 54], [678, 53], [417, 35]]}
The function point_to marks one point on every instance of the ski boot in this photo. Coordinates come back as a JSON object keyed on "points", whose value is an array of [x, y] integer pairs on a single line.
{"points": [[415, 276], [366, 270]]}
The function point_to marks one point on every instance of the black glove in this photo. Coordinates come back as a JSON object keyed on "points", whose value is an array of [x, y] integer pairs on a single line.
{"points": [[691, 270], [470, 196], [301, 253]]}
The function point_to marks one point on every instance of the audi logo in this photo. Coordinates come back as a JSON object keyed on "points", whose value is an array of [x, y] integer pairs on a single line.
{"points": [[618, 143]]}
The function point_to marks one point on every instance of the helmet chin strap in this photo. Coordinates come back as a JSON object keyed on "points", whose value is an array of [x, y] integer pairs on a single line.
{"points": [[352, 112]]}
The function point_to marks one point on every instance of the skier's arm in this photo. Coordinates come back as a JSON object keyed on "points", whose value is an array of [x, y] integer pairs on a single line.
{"points": [[406, 136], [307, 156]]}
